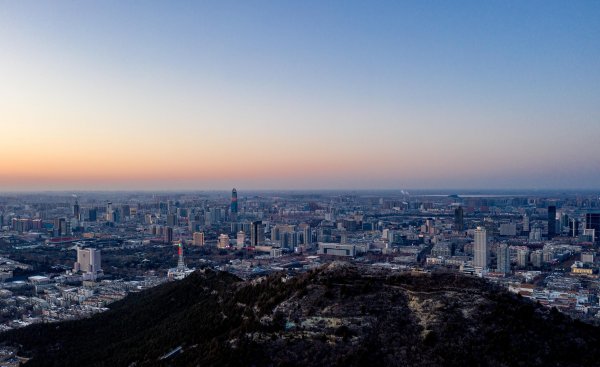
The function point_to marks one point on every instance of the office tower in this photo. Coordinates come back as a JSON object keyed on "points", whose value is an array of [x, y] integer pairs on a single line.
{"points": [[88, 261], [168, 235], [198, 239], [241, 239], [564, 222], [76, 210], [234, 202], [223, 241], [551, 221], [459, 223], [592, 221], [503, 265], [480, 248], [522, 257], [172, 220], [257, 233], [92, 214]]}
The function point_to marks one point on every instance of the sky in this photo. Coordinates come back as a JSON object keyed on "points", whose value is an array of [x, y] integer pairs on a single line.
{"points": [[154, 95]]}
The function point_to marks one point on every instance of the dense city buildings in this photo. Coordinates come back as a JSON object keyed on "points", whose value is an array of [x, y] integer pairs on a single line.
{"points": [[67, 264]]}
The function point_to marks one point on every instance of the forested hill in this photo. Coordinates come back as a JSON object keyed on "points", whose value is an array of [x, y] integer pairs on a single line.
{"points": [[339, 314]]}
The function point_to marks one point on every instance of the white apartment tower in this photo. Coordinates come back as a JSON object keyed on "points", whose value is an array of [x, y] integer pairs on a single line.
{"points": [[481, 249]]}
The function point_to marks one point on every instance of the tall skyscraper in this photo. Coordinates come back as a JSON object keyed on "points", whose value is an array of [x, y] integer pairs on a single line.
{"points": [[168, 235], [573, 227], [551, 221], [109, 212], [257, 233], [481, 248], [592, 221], [234, 202], [76, 210], [503, 265], [92, 214], [525, 223], [459, 223]]}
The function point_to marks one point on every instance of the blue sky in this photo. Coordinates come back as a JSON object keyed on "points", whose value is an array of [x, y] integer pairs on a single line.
{"points": [[311, 94]]}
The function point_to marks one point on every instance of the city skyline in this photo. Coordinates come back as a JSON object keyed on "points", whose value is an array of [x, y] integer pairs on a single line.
{"points": [[313, 95]]}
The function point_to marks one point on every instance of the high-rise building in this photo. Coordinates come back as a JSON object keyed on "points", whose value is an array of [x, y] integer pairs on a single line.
{"points": [[522, 257], [551, 221], [574, 227], [76, 210], [198, 238], [536, 258], [92, 214], [109, 212], [257, 233], [88, 262], [525, 223], [241, 239], [503, 265], [126, 210], [481, 248], [459, 223], [223, 241], [172, 220], [168, 235], [234, 202], [306, 235], [592, 221], [564, 222]]}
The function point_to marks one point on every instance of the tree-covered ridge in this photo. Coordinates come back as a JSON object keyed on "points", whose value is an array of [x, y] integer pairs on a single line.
{"points": [[340, 314]]}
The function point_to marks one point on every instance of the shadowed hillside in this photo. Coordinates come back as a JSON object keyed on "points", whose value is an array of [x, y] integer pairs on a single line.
{"points": [[340, 314]]}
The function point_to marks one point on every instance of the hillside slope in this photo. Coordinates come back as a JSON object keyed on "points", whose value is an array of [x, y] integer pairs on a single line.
{"points": [[340, 314]]}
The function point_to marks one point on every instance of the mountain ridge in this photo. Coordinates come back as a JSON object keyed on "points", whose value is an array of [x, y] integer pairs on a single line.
{"points": [[339, 314]]}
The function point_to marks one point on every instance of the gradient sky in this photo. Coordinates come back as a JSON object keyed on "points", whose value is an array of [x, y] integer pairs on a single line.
{"points": [[299, 94]]}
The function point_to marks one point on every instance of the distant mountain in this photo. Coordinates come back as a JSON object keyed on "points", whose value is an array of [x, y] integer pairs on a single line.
{"points": [[340, 314]]}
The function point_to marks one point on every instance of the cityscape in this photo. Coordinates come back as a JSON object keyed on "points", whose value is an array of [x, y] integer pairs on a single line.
{"points": [[315, 183], [70, 256]]}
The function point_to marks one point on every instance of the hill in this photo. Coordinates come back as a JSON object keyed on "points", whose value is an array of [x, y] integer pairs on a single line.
{"points": [[340, 314]]}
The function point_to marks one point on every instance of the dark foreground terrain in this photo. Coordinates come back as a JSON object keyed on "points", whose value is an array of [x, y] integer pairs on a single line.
{"points": [[337, 315]]}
